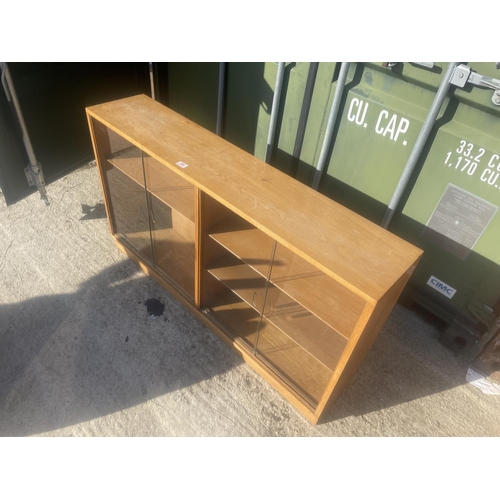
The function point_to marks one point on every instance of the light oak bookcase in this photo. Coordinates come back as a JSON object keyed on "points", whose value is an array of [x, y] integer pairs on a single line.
{"points": [[299, 285]]}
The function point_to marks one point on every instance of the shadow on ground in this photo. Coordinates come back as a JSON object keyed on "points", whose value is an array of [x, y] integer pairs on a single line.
{"points": [[98, 211], [65, 359], [405, 363]]}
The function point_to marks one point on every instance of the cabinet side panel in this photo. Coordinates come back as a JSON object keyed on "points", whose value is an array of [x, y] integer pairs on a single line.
{"points": [[210, 212], [198, 247], [367, 330], [102, 151]]}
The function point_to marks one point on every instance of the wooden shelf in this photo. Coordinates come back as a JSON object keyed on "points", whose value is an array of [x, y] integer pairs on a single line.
{"points": [[292, 361], [245, 282], [254, 247], [164, 184], [299, 284], [246, 242], [335, 305], [288, 265], [174, 255], [163, 217], [304, 328], [169, 187], [240, 319], [313, 335], [332, 303], [289, 359], [241, 279], [130, 213], [131, 166], [141, 241]]}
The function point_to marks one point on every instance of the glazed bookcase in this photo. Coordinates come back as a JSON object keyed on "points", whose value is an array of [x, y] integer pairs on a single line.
{"points": [[299, 285]]}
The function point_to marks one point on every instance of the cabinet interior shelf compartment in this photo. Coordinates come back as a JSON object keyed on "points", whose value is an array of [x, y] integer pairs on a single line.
{"points": [[162, 183], [297, 284], [294, 276], [290, 317]]}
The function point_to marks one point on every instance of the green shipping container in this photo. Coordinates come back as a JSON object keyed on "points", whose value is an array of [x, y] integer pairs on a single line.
{"points": [[449, 207]]}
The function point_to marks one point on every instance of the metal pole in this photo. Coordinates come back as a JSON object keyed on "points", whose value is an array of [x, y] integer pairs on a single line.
{"points": [[419, 144], [332, 120], [220, 98], [12, 96], [274, 110], [33, 172], [304, 112], [152, 81]]}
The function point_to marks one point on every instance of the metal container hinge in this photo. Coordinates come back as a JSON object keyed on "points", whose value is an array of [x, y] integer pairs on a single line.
{"points": [[463, 74], [34, 175]]}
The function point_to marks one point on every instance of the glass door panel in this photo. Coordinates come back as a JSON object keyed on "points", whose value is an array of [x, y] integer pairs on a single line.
{"points": [[306, 323], [171, 201], [125, 179], [236, 262], [325, 298]]}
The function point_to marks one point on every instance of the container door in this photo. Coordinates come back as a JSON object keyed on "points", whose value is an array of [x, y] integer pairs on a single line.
{"points": [[249, 88], [450, 206], [452, 211], [13, 157], [53, 97]]}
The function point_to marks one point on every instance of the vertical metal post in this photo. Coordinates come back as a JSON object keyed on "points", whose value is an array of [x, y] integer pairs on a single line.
{"points": [[304, 113], [220, 98], [33, 171], [274, 110], [332, 120], [420, 143], [152, 81]]}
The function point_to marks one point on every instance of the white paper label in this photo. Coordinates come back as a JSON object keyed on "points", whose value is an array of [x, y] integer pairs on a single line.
{"points": [[482, 383], [441, 287]]}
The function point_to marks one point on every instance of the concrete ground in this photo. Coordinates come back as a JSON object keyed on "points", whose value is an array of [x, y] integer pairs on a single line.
{"points": [[80, 355]]}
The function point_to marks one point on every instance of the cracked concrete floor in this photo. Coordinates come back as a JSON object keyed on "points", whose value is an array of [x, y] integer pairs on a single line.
{"points": [[80, 356]]}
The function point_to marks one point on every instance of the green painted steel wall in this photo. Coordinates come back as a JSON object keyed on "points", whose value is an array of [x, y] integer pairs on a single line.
{"points": [[381, 114], [192, 92], [464, 152]]}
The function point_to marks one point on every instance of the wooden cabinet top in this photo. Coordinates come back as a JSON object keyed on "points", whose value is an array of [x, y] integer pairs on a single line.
{"points": [[362, 256]]}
